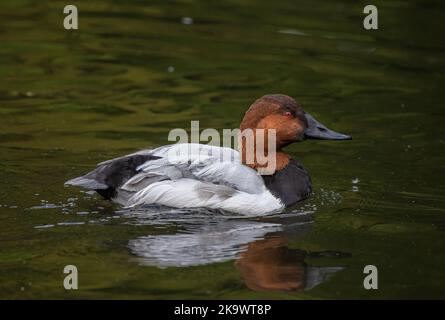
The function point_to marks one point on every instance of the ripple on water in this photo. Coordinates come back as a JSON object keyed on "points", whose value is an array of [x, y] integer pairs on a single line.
{"points": [[46, 206], [70, 223], [44, 226], [293, 32]]}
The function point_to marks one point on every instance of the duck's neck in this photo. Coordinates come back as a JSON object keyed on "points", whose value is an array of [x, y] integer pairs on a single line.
{"points": [[265, 162]]}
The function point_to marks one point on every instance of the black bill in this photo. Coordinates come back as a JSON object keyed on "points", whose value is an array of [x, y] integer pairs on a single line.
{"points": [[315, 130]]}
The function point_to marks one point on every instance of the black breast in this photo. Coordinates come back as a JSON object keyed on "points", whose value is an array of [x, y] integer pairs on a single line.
{"points": [[291, 184]]}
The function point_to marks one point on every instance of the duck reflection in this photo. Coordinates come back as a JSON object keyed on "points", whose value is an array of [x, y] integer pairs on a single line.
{"points": [[199, 245], [269, 265], [260, 250]]}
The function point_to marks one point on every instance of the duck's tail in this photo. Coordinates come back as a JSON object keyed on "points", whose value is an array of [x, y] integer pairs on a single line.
{"points": [[110, 175]]}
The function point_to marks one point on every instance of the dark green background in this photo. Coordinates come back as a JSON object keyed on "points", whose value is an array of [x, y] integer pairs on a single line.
{"points": [[69, 99]]}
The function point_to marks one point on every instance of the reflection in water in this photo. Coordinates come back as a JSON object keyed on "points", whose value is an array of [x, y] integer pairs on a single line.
{"points": [[259, 249], [269, 265], [206, 244]]}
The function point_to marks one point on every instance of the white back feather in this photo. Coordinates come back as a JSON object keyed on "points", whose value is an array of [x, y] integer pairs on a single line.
{"points": [[195, 175]]}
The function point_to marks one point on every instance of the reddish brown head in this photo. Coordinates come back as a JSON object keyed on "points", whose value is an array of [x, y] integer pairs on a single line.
{"points": [[279, 112], [290, 122]]}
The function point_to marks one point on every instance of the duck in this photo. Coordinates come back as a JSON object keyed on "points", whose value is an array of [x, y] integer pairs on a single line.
{"points": [[194, 175]]}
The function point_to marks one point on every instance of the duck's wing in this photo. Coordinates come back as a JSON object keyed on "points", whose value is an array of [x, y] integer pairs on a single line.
{"points": [[204, 177], [209, 164]]}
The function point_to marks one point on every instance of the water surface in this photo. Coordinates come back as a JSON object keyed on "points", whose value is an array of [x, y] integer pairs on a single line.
{"points": [[133, 71]]}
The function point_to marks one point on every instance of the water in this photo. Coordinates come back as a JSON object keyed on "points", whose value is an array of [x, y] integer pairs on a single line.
{"points": [[133, 71]]}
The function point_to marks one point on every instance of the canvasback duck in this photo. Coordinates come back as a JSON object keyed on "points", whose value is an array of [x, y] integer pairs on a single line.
{"points": [[191, 175]]}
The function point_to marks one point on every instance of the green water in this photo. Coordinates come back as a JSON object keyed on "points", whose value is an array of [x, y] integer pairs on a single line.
{"points": [[133, 71]]}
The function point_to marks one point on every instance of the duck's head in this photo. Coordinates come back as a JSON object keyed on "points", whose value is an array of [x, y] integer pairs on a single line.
{"points": [[287, 117]]}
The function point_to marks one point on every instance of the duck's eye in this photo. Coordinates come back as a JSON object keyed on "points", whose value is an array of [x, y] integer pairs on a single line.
{"points": [[288, 114]]}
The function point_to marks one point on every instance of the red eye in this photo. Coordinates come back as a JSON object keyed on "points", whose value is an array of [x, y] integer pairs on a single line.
{"points": [[288, 114]]}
